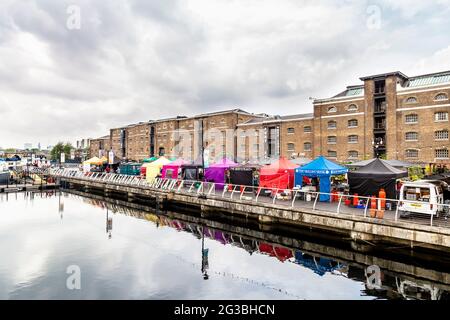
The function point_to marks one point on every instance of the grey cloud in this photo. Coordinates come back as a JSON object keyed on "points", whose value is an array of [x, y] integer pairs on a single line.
{"points": [[138, 60]]}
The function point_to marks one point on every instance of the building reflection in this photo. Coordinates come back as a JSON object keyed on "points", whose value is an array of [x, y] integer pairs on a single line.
{"points": [[384, 285]]}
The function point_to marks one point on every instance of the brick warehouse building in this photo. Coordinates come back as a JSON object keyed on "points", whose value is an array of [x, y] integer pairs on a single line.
{"points": [[388, 115]]}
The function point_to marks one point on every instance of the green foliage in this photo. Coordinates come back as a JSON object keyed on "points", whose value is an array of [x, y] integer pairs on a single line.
{"points": [[415, 173], [58, 149]]}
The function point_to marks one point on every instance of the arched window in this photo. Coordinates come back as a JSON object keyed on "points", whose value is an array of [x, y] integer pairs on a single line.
{"points": [[332, 139], [332, 124], [307, 146], [353, 138], [412, 136], [412, 118], [352, 123], [307, 129], [411, 100], [332, 154], [332, 109], [412, 153], [441, 96], [353, 154], [291, 147], [352, 107], [441, 135], [441, 116]]}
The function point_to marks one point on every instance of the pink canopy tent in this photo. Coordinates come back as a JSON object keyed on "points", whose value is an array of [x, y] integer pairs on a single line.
{"points": [[171, 170], [216, 172]]}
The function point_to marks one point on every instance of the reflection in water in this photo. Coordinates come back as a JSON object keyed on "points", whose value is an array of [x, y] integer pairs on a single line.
{"points": [[165, 261]]}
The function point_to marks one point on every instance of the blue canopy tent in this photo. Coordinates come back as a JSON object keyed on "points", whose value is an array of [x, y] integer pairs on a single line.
{"points": [[323, 169]]}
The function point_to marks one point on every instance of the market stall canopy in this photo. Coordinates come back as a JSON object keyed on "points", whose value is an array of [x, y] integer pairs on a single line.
{"points": [[216, 172], [153, 169], [171, 170], [393, 163], [278, 175], [94, 161], [321, 166], [323, 169], [377, 174]]}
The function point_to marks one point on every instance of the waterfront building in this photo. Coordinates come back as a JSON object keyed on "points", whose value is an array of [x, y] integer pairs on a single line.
{"points": [[388, 115]]}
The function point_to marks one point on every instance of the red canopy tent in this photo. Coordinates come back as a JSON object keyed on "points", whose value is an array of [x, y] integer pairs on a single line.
{"points": [[278, 175]]}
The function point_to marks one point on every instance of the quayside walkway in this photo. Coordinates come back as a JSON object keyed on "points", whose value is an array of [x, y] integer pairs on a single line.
{"points": [[294, 207]]}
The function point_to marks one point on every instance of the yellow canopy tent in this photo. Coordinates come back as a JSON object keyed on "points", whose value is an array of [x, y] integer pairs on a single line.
{"points": [[154, 168], [94, 161], [104, 159]]}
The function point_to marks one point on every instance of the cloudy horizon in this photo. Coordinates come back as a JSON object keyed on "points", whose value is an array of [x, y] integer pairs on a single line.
{"points": [[136, 60]]}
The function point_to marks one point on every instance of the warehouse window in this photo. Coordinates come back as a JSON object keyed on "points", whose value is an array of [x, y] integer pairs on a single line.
{"points": [[412, 118], [332, 124], [440, 97], [441, 153], [353, 123], [290, 130], [332, 109], [332, 154], [353, 138], [412, 153], [412, 136], [353, 154], [352, 107], [441, 135], [332, 139], [307, 129], [441, 116], [307, 146], [291, 147], [411, 100]]}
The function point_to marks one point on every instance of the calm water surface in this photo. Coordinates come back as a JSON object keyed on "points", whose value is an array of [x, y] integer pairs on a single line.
{"points": [[139, 255]]}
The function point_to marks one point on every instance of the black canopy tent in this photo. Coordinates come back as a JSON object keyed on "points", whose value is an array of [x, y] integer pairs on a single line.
{"points": [[377, 174], [244, 175]]}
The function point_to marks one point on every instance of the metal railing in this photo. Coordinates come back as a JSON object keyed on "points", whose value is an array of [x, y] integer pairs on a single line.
{"points": [[337, 203]]}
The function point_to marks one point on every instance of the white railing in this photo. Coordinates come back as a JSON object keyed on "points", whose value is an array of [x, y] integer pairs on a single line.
{"points": [[295, 198]]}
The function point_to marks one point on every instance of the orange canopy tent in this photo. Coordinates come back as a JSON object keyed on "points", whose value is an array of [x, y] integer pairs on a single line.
{"points": [[278, 175]]}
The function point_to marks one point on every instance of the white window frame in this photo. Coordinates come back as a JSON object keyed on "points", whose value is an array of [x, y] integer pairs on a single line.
{"points": [[353, 157], [353, 109], [412, 114], [310, 146], [441, 94], [437, 150], [332, 128], [413, 102], [328, 140], [436, 133], [441, 120], [409, 140], [332, 109], [353, 135], [350, 126], [411, 157]]}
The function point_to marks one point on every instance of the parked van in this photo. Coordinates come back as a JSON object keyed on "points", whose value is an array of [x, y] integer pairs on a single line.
{"points": [[425, 197]]}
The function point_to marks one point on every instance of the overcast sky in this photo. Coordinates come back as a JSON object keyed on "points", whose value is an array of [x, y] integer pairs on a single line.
{"points": [[136, 60]]}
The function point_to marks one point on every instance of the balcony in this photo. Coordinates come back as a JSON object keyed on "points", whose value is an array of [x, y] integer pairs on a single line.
{"points": [[379, 110], [379, 127]]}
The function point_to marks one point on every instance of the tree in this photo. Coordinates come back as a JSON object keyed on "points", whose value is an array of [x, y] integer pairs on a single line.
{"points": [[60, 148]]}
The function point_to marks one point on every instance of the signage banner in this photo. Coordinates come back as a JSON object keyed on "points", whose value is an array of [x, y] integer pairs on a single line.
{"points": [[63, 157], [111, 157]]}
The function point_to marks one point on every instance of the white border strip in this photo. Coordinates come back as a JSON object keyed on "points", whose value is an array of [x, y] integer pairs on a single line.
{"points": [[424, 107], [343, 115]]}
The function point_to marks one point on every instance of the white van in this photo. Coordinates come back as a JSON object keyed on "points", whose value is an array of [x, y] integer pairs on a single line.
{"points": [[424, 196]]}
